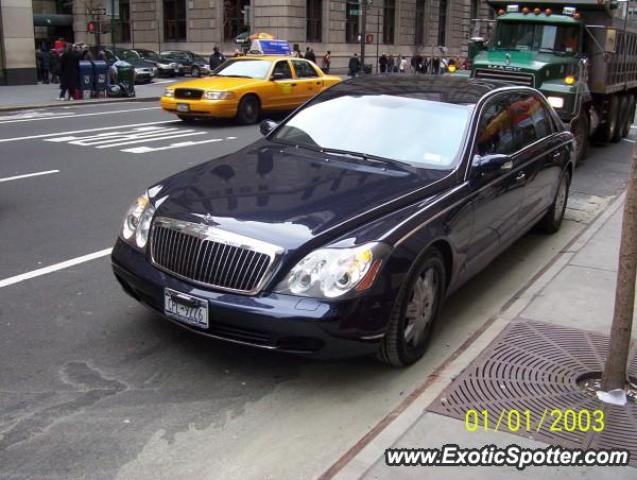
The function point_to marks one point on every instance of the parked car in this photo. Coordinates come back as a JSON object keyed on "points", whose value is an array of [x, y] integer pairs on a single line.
{"points": [[145, 71], [165, 66], [192, 64], [343, 230], [242, 87]]}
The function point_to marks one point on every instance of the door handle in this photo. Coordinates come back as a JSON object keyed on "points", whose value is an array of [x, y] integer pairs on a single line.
{"points": [[318, 83], [293, 84], [520, 176]]}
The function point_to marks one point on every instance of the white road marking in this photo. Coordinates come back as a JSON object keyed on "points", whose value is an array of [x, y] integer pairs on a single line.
{"points": [[27, 175], [171, 146], [146, 140], [628, 140], [92, 114], [86, 130], [107, 136], [53, 268]]}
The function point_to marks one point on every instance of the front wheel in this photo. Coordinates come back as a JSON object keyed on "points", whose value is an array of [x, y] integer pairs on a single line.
{"points": [[248, 111], [415, 311], [552, 220]]}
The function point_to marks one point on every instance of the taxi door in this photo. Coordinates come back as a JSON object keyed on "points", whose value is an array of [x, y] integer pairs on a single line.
{"points": [[282, 88], [310, 82]]}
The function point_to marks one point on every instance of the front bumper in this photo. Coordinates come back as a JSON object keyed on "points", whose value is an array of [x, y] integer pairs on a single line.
{"points": [[209, 108], [270, 321]]}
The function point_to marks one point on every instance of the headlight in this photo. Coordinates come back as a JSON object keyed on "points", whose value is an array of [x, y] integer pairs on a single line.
{"points": [[219, 95], [136, 223], [335, 272], [139, 70], [556, 102], [169, 92]]}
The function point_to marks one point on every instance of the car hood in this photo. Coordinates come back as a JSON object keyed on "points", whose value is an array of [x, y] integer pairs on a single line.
{"points": [[289, 196], [218, 83]]}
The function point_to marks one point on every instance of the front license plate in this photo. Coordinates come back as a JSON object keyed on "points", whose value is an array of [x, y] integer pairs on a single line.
{"points": [[186, 308], [183, 107]]}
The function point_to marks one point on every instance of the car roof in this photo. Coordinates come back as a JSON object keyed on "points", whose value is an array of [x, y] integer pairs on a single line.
{"points": [[442, 88]]}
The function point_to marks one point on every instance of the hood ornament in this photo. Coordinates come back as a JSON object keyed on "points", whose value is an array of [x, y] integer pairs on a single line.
{"points": [[507, 59], [208, 218]]}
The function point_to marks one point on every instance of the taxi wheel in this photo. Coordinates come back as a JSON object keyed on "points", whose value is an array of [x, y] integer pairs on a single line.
{"points": [[249, 110]]}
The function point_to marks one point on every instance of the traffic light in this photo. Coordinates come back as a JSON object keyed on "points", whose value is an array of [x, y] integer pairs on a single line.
{"points": [[92, 27]]}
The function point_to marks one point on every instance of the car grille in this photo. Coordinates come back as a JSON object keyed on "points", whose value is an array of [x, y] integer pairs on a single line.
{"points": [[188, 93], [201, 254], [518, 78]]}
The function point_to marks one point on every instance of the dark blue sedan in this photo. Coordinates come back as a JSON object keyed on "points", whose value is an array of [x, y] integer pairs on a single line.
{"points": [[342, 231]]}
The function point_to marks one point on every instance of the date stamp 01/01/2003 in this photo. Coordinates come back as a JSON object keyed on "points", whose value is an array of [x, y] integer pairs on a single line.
{"points": [[554, 420]]}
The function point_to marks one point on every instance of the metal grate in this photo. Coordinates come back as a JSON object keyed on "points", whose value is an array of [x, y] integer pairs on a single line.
{"points": [[536, 366], [517, 78], [188, 93], [191, 254]]}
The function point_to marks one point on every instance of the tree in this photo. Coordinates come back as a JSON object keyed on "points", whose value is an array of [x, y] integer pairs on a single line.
{"points": [[614, 376]]}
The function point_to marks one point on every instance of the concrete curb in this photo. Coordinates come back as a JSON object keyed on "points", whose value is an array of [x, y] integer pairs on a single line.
{"points": [[15, 108], [354, 463]]}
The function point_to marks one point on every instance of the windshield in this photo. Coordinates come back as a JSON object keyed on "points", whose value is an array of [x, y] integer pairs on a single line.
{"points": [[128, 55], [244, 68], [422, 133], [537, 37], [148, 55]]}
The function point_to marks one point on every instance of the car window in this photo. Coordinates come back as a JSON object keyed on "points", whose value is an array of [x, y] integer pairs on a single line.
{"points": [[304, 69], [530, 120], [495, 132], [283, 67], [244, 68]]}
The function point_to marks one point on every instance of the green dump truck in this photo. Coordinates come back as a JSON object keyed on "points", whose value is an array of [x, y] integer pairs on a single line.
{"points": [[581, 54]]}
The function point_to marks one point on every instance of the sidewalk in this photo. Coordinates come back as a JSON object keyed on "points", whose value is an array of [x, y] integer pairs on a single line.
{"points": [[576, 291], [22, 97]]}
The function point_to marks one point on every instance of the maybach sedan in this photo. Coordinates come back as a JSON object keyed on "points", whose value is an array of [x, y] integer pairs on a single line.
{"points": [[342, 231]]}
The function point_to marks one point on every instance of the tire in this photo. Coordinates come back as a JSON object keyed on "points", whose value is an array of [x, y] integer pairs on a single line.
{"points": [[195, 72], [581, 131], [552, 220], [187, 119], [622, 115], [606, 132], [419, 299], [249, 110]]}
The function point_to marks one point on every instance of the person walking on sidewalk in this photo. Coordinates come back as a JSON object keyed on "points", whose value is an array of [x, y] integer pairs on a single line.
{"points": [[68, 73], [382, 62], [309, 55], [327, 59], [354, 65], [216, 59], [54, 62]]}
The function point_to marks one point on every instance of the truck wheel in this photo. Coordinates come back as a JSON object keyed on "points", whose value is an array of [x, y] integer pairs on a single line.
{"points": [[415, 311], [580, 130], [606, 132], [249, 110], [629, 117]]}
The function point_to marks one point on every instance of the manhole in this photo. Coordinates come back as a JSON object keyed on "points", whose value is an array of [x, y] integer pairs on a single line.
{"points": [[536, 367]]}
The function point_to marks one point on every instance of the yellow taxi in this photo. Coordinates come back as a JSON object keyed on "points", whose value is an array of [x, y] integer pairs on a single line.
{"points": [[243, 87]]}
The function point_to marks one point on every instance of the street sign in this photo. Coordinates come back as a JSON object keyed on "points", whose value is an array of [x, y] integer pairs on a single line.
{"points": [[97, 11]]}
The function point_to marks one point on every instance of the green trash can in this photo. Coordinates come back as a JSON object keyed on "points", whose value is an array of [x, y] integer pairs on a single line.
{"points": [[126, 78]]}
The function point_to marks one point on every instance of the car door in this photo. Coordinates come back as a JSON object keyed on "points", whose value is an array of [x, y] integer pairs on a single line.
{"points": [[310, 82], [282, 90], [497, 199]]}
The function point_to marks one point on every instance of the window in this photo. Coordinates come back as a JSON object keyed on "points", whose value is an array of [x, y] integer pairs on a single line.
{"points": [[122, 29], [475, 9], [495, 132], [389, 21], [282, 70], [314, 15], [420, 23], [536, 36], [304, 69], [249, 68], [235, 18], [530, 120], [175, 20], [442, 23], [351, 21]]}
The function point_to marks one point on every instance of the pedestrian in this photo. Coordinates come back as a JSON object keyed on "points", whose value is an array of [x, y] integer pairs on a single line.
{"points": [[237, 53], [327, 60], [67, 74], [390, 63], [216, 59], [45, 64], [296, 51], [38, 64], [402, 64], [54, 62], [435, 66], [309, 55], [382, 63], [354, 65]]}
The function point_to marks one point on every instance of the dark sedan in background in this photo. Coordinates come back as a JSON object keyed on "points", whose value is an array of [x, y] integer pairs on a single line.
{"points": [[343, 230], [189, 62], [165, 66]]}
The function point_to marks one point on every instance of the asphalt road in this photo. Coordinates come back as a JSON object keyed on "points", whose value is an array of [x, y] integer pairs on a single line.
{"points": [[94, 386]]}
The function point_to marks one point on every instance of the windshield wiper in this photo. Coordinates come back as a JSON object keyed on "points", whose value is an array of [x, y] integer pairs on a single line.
{"points": [[365, 156]]}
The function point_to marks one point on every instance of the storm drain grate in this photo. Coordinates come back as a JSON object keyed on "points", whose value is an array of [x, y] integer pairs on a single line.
{"points": [[536, 366]]}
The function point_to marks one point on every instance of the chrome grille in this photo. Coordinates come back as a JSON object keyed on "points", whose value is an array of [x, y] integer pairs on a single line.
{"points": [[211, 257], [518, 78], [188, 93]]}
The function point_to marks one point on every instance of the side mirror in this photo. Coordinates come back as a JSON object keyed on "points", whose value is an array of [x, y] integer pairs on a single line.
{"points": [[278, 76], [485, 168], [267, 126]]}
